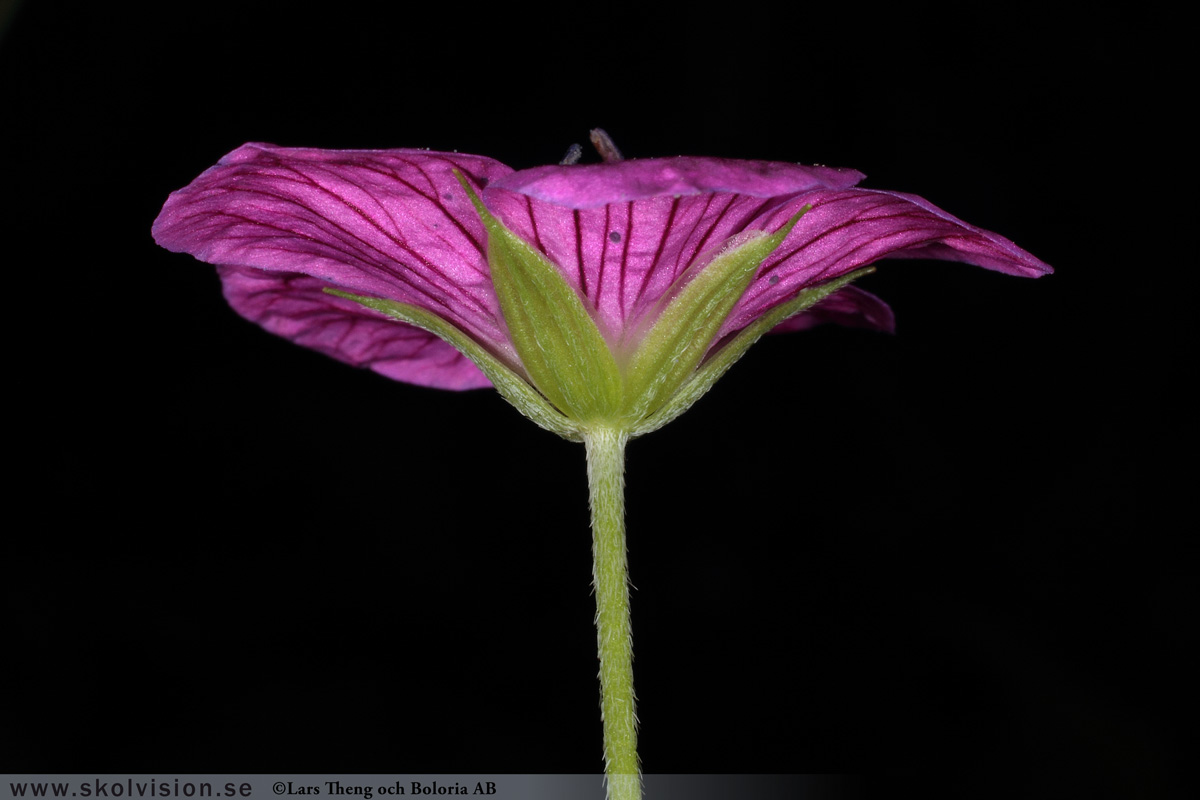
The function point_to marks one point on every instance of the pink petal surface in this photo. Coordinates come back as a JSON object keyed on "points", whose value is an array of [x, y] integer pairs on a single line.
{"points": [[296, 307], [623, 233], [388, 223]]}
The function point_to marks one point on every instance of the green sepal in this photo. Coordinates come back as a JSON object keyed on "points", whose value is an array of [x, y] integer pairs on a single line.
{"points": [[512, 386], [683, 331], [566, 356], [703, 379]]}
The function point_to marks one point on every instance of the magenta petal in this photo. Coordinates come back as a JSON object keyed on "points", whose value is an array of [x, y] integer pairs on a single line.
{"points": [[296, 307], [623, 233], [850, 307], [390, 223], [851, 228]]}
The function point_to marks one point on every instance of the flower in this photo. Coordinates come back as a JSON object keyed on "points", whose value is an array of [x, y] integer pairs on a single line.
{"points": [[422, 236], [601, 300]]}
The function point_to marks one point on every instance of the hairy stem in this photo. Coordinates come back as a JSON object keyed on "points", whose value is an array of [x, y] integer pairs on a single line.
{"points": [[610, 577]]}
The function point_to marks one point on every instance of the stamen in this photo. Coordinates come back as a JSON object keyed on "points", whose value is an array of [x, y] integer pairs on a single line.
{"points": [[605, 147], [574, 153]]}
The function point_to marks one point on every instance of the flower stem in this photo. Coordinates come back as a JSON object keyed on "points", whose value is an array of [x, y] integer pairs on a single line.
{"points": [[610, 577]]}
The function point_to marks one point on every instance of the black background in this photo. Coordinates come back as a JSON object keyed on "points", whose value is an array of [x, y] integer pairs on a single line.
{"points": [[947, 554]]}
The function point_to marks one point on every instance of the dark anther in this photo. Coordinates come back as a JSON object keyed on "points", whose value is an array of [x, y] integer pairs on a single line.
{"points": [[605, 147], [574, 153]]}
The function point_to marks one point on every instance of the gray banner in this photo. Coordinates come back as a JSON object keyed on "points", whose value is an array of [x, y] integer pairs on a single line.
{"points": [[496, 786]]}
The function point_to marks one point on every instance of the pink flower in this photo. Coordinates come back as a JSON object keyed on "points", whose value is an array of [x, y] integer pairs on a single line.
{"points": [[283, 225], [601, 300]]}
